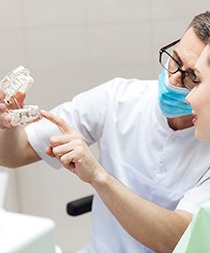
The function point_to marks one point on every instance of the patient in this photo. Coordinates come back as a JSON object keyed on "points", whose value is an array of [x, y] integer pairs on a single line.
{"points": [[196, 237], [199, 97]]}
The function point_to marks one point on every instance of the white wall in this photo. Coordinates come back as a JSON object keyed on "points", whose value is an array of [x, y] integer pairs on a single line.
{"points": [[71, 46]]}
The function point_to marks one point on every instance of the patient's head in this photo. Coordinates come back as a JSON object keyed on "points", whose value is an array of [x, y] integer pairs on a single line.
{"points": [[199, 97]]}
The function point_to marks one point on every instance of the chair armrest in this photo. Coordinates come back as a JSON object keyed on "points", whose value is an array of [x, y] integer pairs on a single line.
{"points": [[80, 206]]}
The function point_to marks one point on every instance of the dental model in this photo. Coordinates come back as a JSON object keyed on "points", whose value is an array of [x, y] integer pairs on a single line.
{"points": [[19, 80]]}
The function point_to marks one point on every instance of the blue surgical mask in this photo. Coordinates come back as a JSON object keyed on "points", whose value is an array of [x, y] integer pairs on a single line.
{"points": [[172, 98]]}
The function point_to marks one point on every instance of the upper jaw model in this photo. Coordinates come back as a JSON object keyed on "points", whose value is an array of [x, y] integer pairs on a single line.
{"points": [[19, 80]]}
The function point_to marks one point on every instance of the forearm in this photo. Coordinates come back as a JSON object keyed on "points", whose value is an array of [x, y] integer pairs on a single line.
{"points": [[153, 226], [15, 150]]}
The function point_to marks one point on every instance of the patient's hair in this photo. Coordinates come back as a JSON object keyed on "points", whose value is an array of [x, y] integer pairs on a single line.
{"points": [[201, 26]]}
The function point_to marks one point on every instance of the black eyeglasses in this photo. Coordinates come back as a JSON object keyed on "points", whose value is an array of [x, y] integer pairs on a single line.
{"points": [[172, 65]]}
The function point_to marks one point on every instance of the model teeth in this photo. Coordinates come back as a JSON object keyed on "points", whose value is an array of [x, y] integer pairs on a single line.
{"points": [[27, 114]]}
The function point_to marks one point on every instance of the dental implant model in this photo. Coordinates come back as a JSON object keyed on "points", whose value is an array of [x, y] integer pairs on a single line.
{"points": [[19, 80]]}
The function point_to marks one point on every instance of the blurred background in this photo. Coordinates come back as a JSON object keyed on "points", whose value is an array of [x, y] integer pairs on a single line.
{"points": [[71, 46]]}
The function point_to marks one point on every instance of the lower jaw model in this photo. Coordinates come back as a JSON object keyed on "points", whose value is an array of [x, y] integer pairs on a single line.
{"points": [[15, 81], [25, 115]]}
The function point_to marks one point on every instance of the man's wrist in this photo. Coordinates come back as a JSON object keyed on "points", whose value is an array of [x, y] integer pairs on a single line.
{"points": [[100, 178]]}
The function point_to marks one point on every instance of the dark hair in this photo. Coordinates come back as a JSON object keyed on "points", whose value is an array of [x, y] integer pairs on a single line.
{"points": [[201, 26]]}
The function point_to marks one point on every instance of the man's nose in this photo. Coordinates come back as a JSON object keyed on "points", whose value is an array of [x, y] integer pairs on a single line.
{"points": [[176, 79]]}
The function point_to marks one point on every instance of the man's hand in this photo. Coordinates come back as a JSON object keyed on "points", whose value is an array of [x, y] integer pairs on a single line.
{"points": [[72, 151]]}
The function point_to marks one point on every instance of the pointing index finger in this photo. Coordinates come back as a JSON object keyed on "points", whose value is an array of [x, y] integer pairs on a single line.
{"points": [[62, 125]]}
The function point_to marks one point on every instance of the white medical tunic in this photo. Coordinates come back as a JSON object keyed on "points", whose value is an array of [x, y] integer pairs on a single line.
{"points": [[169, 168]]}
